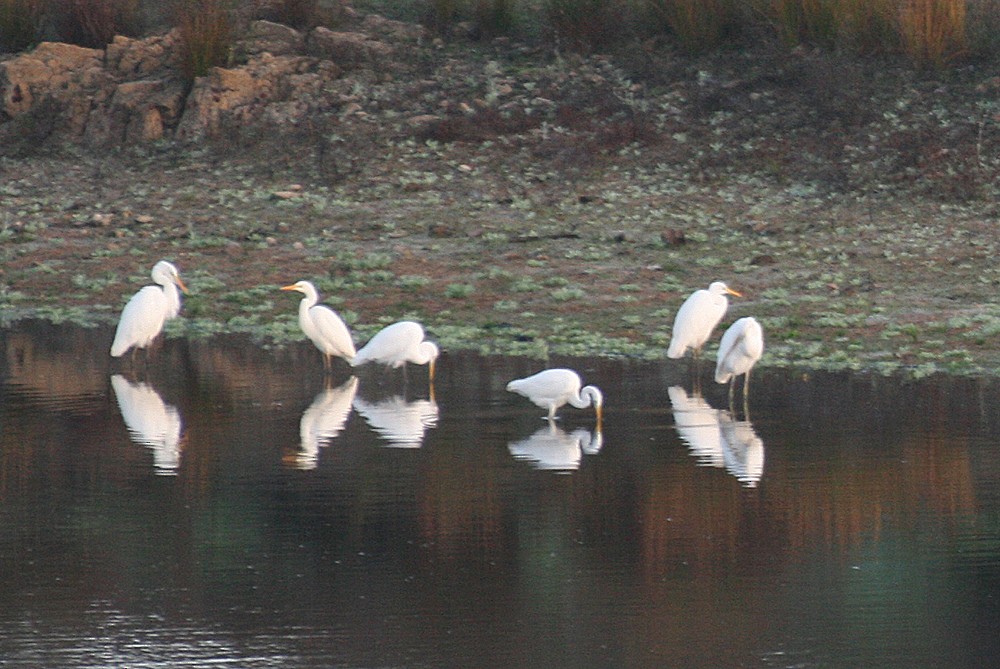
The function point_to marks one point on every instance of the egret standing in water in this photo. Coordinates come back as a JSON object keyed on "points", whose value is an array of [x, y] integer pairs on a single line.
{"points": [[322, 325], [697, 317], [552, 388], [397, 344], [740, 349], [145, 313]]}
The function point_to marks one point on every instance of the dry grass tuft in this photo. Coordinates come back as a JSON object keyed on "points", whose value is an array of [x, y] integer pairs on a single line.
{"points": [[933, 31], [206, 34], [94, 23], [698, 25]]}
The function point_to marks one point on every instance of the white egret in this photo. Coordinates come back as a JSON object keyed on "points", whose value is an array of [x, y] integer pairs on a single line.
{"points": [[143, 317], [322, 325], [697, 317], [552, 388], [741, 347], [397, 344]]}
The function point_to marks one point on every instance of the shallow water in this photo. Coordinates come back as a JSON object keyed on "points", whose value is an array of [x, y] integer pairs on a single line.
{"points": [[225, 507]]}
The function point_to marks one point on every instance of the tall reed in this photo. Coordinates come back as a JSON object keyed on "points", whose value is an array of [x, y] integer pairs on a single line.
{"points": [[205, 33], [698, 25], [933, 31]]}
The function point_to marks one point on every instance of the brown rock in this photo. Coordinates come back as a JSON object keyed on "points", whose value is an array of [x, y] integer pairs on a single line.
{"points": [[273, 38], [350, 50]]}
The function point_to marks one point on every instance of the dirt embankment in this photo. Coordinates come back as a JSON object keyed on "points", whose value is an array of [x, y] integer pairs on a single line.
{"points": [[518, 200]]}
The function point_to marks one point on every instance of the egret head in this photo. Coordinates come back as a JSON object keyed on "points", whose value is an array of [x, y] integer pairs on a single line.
{"points": [[304, 287], [165, 272], [720, 288], [298, 286]]}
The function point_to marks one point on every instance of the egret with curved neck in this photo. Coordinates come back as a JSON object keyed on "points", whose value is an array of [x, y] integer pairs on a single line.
{"points": [[553, 388], [146, 312], [741, 347], [397, 344], [322, 325]]}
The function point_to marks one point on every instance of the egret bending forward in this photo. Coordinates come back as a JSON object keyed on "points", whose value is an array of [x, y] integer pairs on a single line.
{"points": [[145, 313], [552, 388], [740, 349], [697, 317], [397, 344], [322, 325]]}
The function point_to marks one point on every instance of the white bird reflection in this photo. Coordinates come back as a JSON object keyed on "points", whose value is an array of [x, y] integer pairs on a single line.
{"points": [[150, 422], [400, 422], [743, 450], [553, 449], [323, 421], [716, 439]]}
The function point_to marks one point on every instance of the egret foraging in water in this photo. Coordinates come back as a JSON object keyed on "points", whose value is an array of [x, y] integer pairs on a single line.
{"points": [[322, 325], [740, 349], [145, 313], [697, 317], [552, 388], [397, 344]]}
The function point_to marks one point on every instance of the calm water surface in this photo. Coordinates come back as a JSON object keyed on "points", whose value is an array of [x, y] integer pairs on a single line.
{"points": [[226, 508]]}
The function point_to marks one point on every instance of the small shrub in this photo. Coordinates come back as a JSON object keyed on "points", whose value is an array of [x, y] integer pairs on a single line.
{"points": [[20, 24], [94, 23], [868, 26], [698, 25], [458, 290], [983, 28], [494, 17], [802, 21], [25, 134], [583, 25], [441, 15], [205, 36]]}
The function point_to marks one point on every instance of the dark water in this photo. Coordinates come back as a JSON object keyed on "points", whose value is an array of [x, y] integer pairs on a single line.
{"points": [[228, 511]]}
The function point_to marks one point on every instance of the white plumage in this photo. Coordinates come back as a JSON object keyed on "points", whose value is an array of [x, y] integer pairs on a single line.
{"points": [[741, 347], [150, 422], [550, 448], [323, 421], [400, 422], [397, 344], [552, 388], [143, 317], [697, 317], [322, 325]]}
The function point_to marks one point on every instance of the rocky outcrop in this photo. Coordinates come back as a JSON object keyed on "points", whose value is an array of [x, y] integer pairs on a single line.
{"points": [[61, 75], [132, 92], [273, 90]]}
